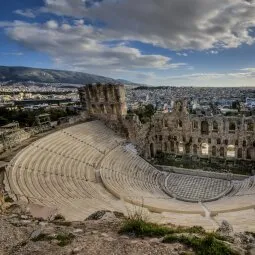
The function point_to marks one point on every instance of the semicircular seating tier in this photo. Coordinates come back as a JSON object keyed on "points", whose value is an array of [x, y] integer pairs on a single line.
{"points": [[87, 167]]}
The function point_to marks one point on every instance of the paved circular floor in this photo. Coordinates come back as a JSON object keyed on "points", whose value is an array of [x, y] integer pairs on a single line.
{"points": [[195, 188]]}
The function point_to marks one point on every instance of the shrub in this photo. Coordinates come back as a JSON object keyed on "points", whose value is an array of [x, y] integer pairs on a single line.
{"points": [[207, 245]]}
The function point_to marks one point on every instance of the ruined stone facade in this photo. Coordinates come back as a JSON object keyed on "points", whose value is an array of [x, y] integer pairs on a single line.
{"points": [[181, 133], [104, 101], [177, 133]]}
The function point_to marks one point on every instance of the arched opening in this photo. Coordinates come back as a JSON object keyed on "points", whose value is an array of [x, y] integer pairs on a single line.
{"points": [[179, 124], [231, 151], [187, 148], [180, 147], [204, 128], [152, 151], [249, 153], [195, 149], [232, 127], [172, 146], [204, 148], [222, 152], [218, 141], [214, 151], [215, 126], [244, 143], [240, 153], [165, 146]]}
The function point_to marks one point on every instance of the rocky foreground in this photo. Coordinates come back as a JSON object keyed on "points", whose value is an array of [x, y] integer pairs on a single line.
{"points": [[22, 234]]}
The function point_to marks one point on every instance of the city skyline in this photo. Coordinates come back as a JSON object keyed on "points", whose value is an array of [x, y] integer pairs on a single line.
{"points": [[189, 43]]}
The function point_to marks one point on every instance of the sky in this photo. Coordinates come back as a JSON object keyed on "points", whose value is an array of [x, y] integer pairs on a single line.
{"points": [[155, 42]]}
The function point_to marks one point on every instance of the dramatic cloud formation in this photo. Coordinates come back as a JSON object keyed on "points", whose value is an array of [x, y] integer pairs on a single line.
{"points": [[175, 24], [138, 39], [81, 46]]}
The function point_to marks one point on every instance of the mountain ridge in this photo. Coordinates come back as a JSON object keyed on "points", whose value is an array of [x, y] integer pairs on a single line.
{"points": [[44, 75]]}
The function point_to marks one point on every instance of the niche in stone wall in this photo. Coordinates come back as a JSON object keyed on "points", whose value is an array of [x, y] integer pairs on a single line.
{"points": [[222, 152], [231, 151], [249, 152]]}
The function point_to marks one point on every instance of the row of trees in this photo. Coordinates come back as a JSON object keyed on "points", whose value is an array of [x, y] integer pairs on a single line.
{"points": [[26, 118]]}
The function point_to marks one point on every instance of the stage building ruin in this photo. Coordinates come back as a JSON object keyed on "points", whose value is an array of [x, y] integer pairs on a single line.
{"points": [[179, 134]]}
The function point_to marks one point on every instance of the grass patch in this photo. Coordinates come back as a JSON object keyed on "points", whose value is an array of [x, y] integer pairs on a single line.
{"points": [[63, 238], [207, 245], [140, 227]]}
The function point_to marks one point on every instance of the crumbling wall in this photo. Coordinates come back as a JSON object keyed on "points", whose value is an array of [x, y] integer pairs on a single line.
{"points": [[180, 133]]}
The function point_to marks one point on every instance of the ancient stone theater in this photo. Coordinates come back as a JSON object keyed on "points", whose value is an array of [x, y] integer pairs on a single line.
{"points": [[105, 163]]}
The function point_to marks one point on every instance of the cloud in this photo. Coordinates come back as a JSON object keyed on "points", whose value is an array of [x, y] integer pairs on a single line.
{"points": [[84, 47], [12, 53], [26, 13], [174, 24], [182, 54]]}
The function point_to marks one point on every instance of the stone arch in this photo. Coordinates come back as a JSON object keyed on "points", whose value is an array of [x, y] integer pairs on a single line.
{"points": [[231, 151], [222, 152], [204, 127], [194, 149], [215, 126], [152, 150], [240, 153], [214, 151], [204, 148]]}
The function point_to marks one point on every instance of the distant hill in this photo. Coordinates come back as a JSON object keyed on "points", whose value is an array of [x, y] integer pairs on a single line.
{"points": [[29, 74]]}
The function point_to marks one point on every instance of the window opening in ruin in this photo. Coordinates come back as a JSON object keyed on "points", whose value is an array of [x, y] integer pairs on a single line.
{"points": [[113, 109], [215, 126], [172, 146], [232, 127], [209, 140], [160, 138], [165, 146], [249, 153], [226, 142], [244, 143], [152, 150], [240, 153], [231, 151], [187, 148], [204, 128], [236, 143], [204, 148], [195, 125], [199, 140], [214, 151], [180, 147], [222, 152], [195, 149], [218, 141], [179, 124]]}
